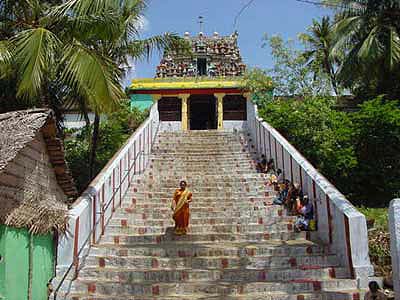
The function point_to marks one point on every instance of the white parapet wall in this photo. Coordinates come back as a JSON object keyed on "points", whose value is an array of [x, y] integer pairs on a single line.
{"points": [[170, 126], [339, 224], [91, 212], [394, 227], [235, 125]]}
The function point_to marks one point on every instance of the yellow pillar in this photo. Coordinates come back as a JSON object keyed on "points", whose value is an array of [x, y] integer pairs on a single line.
{"points": [[156, 97], [220, 108], [184, 98]]}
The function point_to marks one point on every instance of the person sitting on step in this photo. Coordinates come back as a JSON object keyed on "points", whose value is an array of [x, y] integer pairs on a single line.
{"points": [[180, 207], [270, 167], [374, 292], [283, 192], [305, 211], [294, 194], [262, 164]]}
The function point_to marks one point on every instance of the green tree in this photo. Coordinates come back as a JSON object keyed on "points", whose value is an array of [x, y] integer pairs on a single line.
{"points": [[113, 132], [291, 74], [260, 84], [73, 50], [318, 42], [377, 141], [369, 33], [322, 134]]}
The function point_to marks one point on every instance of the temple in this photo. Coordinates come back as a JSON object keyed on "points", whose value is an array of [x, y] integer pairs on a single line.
{"points": [[200, 90]]}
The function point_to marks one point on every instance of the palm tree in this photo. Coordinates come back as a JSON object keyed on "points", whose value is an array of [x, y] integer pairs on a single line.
{"points": [[319, 42], [73, 48], [369, 33]]}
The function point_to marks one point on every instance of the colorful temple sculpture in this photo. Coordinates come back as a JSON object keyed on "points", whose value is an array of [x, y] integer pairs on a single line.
{"points": [[200, 90]]}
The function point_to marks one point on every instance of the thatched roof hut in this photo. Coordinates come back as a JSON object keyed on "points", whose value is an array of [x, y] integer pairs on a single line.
{"points": [[35, 183]]}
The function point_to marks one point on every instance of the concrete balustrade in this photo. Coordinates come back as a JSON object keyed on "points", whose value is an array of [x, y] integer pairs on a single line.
{"points": [[92, 211], [394, 227], [339, 225]]}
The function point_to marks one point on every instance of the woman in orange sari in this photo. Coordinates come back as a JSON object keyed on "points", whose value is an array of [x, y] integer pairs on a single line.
{"points": [[180, 206]]}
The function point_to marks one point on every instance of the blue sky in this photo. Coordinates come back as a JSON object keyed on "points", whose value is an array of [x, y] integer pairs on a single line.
{"points": [[284, 17]]}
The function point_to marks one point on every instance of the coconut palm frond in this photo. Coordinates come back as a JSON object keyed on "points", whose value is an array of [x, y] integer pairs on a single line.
{"points": [[370, 48], [5, 59], [34, 54], [143, 49], [393, 50], [94, 76]]}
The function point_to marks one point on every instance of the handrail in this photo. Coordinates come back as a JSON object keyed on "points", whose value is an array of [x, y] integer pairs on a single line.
{"points": [[340, 225], [95, 225], [103, 209]]}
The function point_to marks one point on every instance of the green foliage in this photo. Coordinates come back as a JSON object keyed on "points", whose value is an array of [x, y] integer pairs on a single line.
{"points": [[322, 134], [115, 129], [369, 33], [358, 152], [318, 43], [377, 140], [379, 215], [291, 74], [53, 51], [260, 84]]}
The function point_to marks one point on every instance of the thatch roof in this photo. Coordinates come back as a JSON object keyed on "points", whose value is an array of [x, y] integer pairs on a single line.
{"points": [[39, 212]]}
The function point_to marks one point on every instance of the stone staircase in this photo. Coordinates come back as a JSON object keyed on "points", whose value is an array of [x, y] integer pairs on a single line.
{"points": [[239, 246]]}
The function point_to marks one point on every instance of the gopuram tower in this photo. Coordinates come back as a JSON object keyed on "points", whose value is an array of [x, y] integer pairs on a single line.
{"points": [[198, 89]]}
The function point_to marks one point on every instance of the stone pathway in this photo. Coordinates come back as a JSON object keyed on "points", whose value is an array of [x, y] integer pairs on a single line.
{"points": [[240, 246]]}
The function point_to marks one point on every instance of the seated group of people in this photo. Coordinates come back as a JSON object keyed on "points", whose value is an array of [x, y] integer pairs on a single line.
{"points": [[290, 195]]}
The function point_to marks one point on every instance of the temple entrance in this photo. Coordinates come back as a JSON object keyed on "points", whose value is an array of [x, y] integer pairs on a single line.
{"points": [[202, 112]]}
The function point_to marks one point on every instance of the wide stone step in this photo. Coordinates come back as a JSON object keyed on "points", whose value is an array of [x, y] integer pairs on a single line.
{"points": [[206, 262], [129, 276], [145, 238], [205, 213], [325, 295], [290, 249], [200, 201], [202, 161], [205, 189], [207, 194], [199, 221], [117, 288], [194, 209], [172, 177], [124, 228]]}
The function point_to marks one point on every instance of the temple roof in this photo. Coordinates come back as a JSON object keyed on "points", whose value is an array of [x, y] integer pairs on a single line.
{"points": [[212, 56], [18, 128]]}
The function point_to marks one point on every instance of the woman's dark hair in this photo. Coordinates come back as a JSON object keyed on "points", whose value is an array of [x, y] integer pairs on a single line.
{"points": [[182, 181], [373, 286]]}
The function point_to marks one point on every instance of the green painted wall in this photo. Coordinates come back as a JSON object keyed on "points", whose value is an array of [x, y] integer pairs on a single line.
{"points": [[2, 265], [141, 101], [43, 270], [14, 267]]}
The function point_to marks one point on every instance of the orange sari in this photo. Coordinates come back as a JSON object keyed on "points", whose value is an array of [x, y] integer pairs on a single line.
{"points": [[181, 212]]}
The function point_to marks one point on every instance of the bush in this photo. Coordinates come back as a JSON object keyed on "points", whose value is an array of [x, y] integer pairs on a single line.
{"points": [[322, 134], [377, 141], [358, 152], [114, 131]]}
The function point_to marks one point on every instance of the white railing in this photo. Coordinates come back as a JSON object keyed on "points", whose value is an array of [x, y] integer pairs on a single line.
{"points": [[339, 224], [91, 212], [394, 227]]}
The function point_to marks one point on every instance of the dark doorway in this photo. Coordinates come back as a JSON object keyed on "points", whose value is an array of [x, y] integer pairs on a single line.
{"points": [[202, 66], [170, 109], [202, 112]]}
